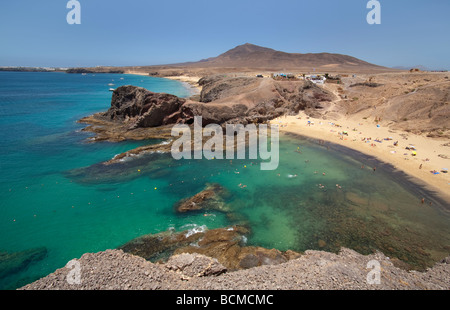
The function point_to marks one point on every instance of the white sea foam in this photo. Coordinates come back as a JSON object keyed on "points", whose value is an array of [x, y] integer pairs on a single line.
{"points": [[244, 239], [165, 142], [196, 229]]}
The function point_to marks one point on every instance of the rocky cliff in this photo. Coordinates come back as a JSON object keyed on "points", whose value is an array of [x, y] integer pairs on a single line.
{"points": [[255, 100], [317, 270], [142, 108], [224, 99]]}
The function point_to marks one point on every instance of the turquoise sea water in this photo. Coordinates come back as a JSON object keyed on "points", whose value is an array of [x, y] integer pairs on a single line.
{"points": [[54, 196]]}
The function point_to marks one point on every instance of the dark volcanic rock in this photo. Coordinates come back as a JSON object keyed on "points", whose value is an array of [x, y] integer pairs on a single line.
{"points": [[212, 113], [245, 100], [220, 86], [224, 99], [211, 198], [84, 70], [159, 247], [226, 245], [143, 108], [138, 114]]}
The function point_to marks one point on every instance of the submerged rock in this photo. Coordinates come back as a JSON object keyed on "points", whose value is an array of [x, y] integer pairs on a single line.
{"points": [[159, 247], [124, 167], [14, 262], [211, 198], [226, 245]]}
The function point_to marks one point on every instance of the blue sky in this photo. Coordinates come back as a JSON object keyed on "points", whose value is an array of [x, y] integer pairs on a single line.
{"points": [[149, 32]]}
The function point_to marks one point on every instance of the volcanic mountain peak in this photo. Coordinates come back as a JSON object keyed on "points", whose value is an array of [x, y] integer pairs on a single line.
{"points": [[253, 56], [247, 48]]}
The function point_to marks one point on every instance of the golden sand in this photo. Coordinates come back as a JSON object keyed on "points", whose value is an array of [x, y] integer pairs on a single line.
{"points": [[430, 154]]}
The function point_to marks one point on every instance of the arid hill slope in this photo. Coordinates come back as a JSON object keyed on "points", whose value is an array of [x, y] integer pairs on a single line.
{"points": [[253, 56], [413, 102]]}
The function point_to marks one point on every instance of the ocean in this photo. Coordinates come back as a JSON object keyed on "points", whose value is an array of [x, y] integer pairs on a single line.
{"points": [[57, 204]]}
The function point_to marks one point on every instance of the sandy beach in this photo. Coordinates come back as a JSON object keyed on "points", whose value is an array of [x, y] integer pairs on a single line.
{"points": [[191, 80], [366, 137]]}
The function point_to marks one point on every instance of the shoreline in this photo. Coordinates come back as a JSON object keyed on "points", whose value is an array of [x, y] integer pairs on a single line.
{"points": [[417, 167], [428, 150], [192, 81]]}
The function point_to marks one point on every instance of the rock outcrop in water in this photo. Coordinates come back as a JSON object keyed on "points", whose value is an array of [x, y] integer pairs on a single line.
{"points": [[211, 198], [136, 114], [142, 108], [96, 70], [223, 100], [139, 114], [14, 262], [227, 245]]}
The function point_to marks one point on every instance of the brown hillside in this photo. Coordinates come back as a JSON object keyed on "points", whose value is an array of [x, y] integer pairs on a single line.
{"points": [[253, 56], [413, 102]]}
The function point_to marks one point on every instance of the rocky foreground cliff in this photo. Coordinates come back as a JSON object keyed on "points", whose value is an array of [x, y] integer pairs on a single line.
{"points": [[348, 270]]}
